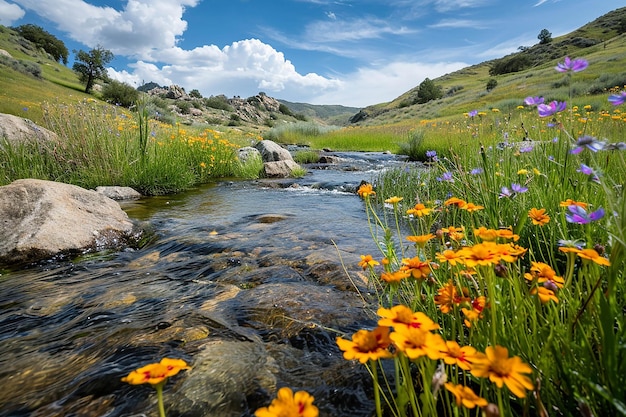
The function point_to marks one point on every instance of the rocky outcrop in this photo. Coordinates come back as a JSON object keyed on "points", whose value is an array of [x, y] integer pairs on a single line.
{"points": [[18, 130], [277, 161], [39, 219], [254, 109], [173, 92]]}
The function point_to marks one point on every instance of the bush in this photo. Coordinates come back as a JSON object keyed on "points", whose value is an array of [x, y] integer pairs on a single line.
{"points": [[183, 107], [491, 84], [120, 94], [516, 63], [284, 109], [25, 67], [218, 102]]}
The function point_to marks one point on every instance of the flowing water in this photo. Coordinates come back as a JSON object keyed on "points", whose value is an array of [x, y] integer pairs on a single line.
{"points": [[70, 329]]}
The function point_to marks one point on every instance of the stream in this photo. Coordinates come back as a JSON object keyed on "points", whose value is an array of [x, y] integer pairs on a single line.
{"points": [[242, 279]]}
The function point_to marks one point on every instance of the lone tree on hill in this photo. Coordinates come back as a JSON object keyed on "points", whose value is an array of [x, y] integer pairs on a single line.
{"points": [[90, 66], [544, 37], [428, 91]]}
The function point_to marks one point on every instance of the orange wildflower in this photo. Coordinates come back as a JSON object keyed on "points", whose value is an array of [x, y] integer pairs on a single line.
{"points": [[544, 273], [484, 254], [453, 201], [397, 276], [419, 210], [366, 190], [449, 296], [485, 234], [366, 345], [416, 268], [465, 395], [289, 404], [368, 261], [403, 316], [449, 256], [504, 370], [420, 240], [463, 357], [544, 294], [538, 216], [155, 373], [415, 343], [471, 207], [570, 202], [593, 255]]}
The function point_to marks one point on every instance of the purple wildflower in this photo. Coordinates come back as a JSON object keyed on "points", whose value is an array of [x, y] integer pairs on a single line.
{"points": [[476, 171], [473, 113], [617, 99], [431, 155], [533, 101], [589, 142], [574, 65], [505, 192], [546, 110], [518, 188], [526, 149], [587, 170], [446, 176], [579, 215], [571, 243]]}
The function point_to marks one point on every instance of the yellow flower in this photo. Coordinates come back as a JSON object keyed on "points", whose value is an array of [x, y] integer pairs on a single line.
{"points": [[156, 373], [538, 216], [485, 253], [522, 172], [366, 190], [419, 210], [420, 240], [368, 261], [465, 395], [288, 404], [593, 255], [449, 296], [449, 256], [507, 234], [455, 233], [394, 277], [544, 294], [393, 200], [403, 316], [544, 273], [415, 343], [485, 234], [471, 207], [415, 267], [453, 201], [502, 370], [366, 345], [570, 202], [463, 357]]}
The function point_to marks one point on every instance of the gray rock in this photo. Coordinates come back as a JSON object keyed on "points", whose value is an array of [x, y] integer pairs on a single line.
{"points": [[279, 169], [39, 219], [119, 193], [247, 153], [18, 130], [272, 152]]}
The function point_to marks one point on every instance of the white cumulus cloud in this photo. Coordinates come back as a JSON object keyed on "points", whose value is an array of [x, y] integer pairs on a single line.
{"points": [[9, 13]]}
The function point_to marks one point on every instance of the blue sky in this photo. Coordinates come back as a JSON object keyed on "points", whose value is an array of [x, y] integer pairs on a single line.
{"points": [[350, 52]]}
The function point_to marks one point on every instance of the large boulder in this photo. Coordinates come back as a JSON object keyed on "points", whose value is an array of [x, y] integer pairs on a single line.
{"points": [[272, 152], [39, 219], [277, 161], [18, 130]]}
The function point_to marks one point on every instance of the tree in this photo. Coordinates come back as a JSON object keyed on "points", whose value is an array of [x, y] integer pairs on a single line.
{"points": [[90, 66], [544, 37], [491, 84], [428, 91], [44, 40]]}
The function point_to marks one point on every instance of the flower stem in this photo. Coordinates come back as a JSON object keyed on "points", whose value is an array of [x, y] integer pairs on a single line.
{"points": [[379, 411], [159, 390]]}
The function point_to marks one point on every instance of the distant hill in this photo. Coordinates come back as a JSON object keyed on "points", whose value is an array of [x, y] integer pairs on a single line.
{"points": [[527, 72], [329, 114]]}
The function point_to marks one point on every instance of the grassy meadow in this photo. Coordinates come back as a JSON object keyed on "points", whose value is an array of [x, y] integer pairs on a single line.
{"points": [[506, 298]]}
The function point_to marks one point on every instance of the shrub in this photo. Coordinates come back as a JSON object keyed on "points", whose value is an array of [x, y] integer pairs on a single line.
{"points": [[25, 67], [516, 63], [491, 84], [413, 148], [120, 94], [284, 109], [218, 102]]}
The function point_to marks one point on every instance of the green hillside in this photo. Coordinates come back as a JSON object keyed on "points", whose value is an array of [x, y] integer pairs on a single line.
{"points": [[599, 42]]}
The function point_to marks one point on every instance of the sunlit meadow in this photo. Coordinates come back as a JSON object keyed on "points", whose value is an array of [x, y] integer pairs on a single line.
{"points": [[500, 272], [104, 145]]}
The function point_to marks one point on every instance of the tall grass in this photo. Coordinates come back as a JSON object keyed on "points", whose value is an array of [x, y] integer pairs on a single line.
{"points": [[105, 145]]}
